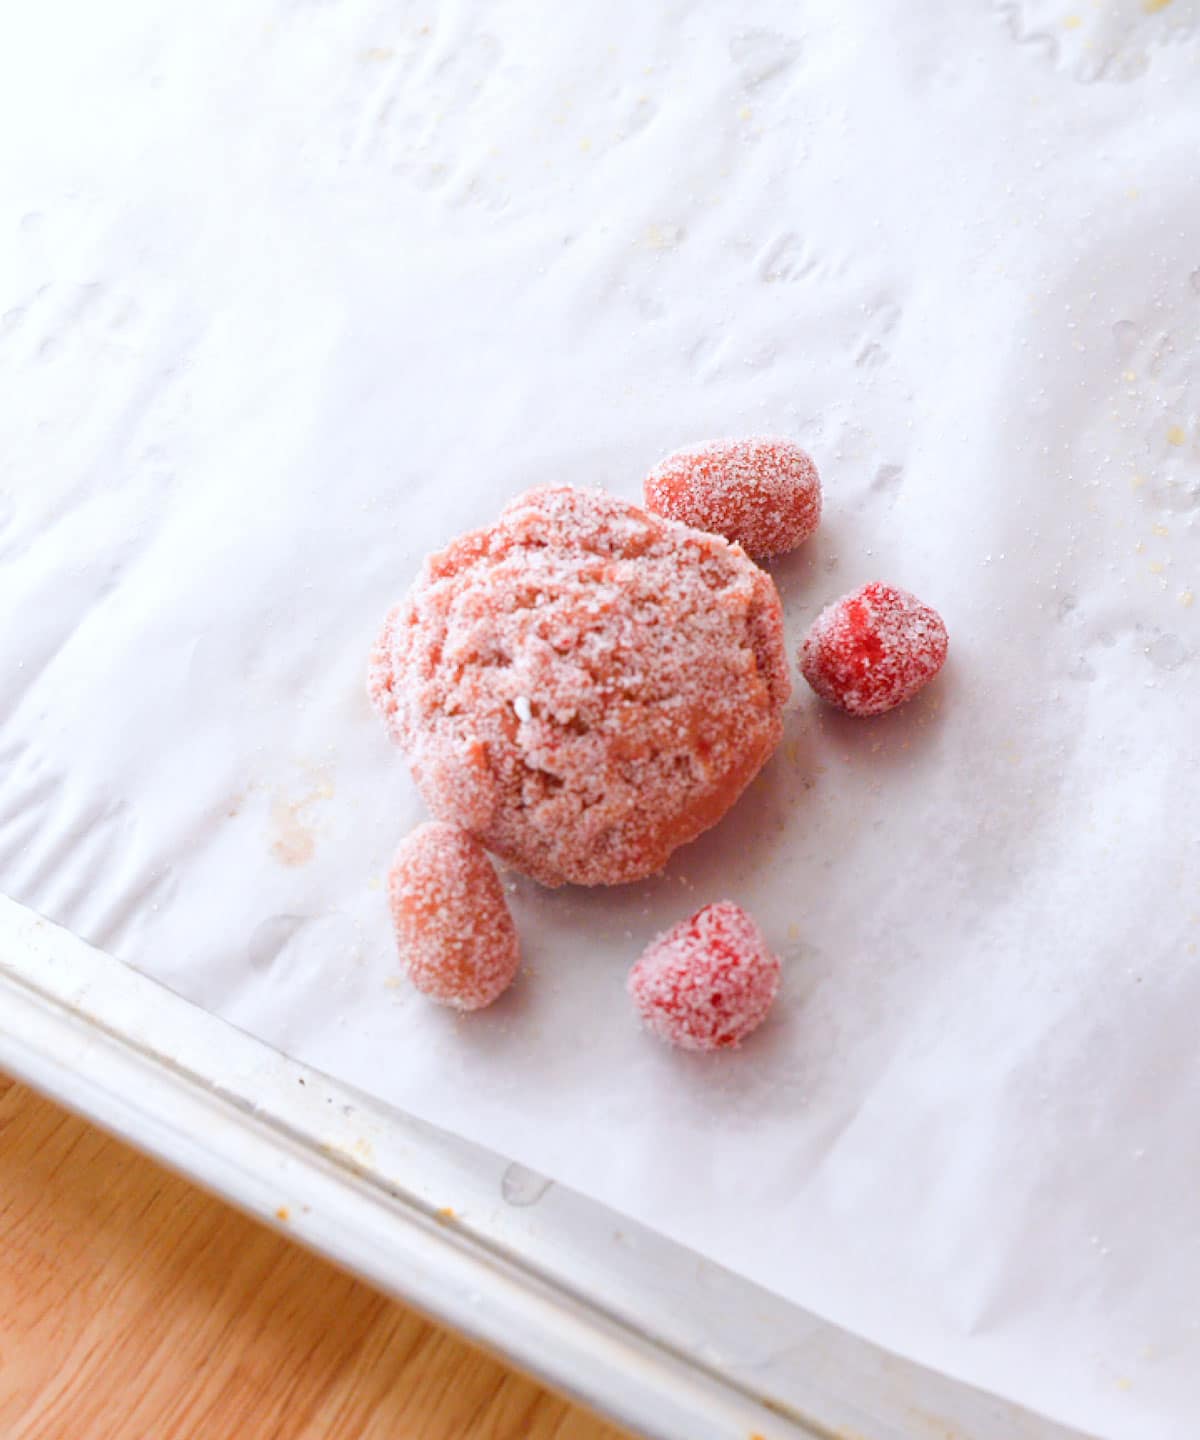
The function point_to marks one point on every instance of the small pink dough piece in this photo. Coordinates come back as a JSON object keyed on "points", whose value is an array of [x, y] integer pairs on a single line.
{"points": [[764, 493], [456, 938], [873, 649], [708, 982]]}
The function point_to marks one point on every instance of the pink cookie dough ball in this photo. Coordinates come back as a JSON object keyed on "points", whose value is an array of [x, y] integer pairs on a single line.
{"points": [[456, 938], [764, 493], [873, 649], [584, 686], [708, 982]]}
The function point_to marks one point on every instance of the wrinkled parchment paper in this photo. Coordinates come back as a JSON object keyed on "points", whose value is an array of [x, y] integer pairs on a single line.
{"points": [[293, 292]]}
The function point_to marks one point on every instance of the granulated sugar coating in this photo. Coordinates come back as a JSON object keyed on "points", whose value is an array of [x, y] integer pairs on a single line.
{"points": [[763, 493], [456, 938], [873, 649], [584, 686], [707, 983]]}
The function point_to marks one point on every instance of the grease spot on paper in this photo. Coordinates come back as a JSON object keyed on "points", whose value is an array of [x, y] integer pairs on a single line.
{"points": [[294, 839]]}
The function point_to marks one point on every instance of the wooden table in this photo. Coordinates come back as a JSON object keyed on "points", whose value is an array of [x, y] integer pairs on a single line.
{"points": [[133, 1305]]}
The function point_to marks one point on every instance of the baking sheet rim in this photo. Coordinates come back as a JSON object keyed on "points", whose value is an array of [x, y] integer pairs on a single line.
{"points": [[279, 1140]]}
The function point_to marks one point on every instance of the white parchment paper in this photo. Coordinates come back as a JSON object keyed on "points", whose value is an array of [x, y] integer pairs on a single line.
{"points": [[294, 291]]}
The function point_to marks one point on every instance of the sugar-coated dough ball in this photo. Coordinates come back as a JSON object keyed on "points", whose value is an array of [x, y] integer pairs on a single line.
{"points": [[707, 983], [456, 938], [764, 493], [873, 649], [584, 686]]}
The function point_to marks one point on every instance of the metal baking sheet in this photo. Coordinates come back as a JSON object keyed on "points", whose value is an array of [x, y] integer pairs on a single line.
{"points": [[598, 1306]]}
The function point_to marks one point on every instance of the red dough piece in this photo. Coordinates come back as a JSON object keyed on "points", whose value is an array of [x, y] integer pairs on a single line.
{"points": [[873, 649], [763, 493], [583, 686], [707, 983], [456, 938]]}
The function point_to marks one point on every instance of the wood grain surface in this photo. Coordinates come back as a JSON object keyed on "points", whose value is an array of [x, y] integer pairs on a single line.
{"points": [[133, 1305]]}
